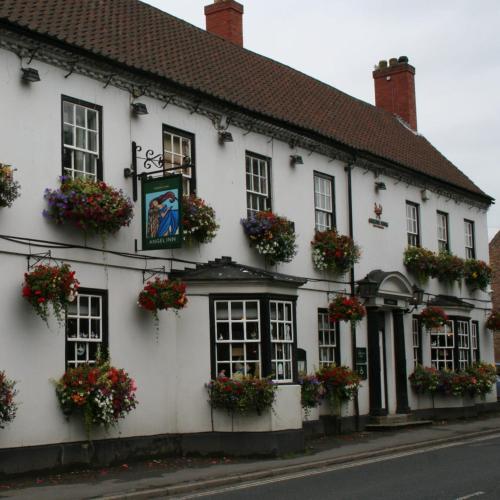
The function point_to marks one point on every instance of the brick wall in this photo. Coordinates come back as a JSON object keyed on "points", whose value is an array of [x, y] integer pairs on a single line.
{"points": [[495, 284]]}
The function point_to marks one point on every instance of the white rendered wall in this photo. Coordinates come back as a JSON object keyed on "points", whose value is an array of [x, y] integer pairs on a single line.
{"points": [[171, 372]]}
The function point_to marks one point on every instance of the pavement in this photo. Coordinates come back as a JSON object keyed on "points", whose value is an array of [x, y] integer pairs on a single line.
{"points": [[183, 475]]}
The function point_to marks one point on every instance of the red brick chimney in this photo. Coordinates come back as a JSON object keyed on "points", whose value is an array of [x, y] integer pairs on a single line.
{"points": [[225, 18], [395, 89]]}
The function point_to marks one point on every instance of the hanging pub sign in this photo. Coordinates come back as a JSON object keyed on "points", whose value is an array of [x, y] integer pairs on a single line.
{"points": [[161, 212]]}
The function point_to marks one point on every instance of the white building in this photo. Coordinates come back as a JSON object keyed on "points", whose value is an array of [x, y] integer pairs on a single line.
{"points": [[194, 84]]}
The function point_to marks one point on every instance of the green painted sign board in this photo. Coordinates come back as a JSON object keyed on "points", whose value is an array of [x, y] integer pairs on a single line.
{"points": [[162, 212]]}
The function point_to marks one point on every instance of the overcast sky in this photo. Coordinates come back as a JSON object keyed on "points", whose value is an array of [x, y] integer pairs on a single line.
{"points": [[453, 44]]}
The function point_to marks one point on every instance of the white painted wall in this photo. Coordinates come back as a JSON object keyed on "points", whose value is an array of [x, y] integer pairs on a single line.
{"points": [[172, 370]]}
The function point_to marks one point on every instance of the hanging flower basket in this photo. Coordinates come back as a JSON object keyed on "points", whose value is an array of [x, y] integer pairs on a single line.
{"points": [[476, 380], [91, 206], [54, 285], [101, 393], [334, 252], [477, 274], [312, 392], [493, 321], [346, 309], [161, 294], [420, 262], [198, 220], [433, 317], [8, 406], [242, 396], [273, 236], [340, 384], [9, 188], [449, 268]]}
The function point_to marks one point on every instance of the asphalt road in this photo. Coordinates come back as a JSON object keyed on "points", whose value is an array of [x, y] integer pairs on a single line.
{"points": [[458, 471]]}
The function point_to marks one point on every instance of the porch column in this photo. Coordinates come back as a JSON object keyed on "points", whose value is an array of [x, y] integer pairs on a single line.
{"points": [[374, 364], [400, 358]]}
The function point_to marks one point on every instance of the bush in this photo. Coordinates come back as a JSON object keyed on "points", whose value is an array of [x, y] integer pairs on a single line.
{"points": [[420, 262], [8, 407], [493, 321], [9, 188], [242, 396], [101, 393], [273, 236], [448, 267], [433, 317], [311, 392], [344, 308], [477, 274], [424, 380], [334, 252], [55, 285], [198, 220], [162, 294], [340, 383], [91, 206]]}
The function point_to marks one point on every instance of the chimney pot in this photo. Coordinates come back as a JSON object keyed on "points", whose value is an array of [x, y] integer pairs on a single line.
{"points": [[225, 19], [395, 89]]}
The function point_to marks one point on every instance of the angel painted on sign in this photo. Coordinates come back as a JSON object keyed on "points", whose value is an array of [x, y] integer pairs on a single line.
{"points": [[163, 216]]}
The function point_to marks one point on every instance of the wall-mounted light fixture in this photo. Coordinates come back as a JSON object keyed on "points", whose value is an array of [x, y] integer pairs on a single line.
{"points": [[296, 160], [139, 108], [225, 136], [417, 298], [425, 194], [380, 186], [30, 75]]}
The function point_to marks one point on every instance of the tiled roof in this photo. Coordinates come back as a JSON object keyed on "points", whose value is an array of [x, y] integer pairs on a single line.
{"points": [[145, 38], [226, 269]]}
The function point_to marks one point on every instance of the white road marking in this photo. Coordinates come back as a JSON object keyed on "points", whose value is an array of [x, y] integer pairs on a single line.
{"points": [[476, 494], [350, 465]]}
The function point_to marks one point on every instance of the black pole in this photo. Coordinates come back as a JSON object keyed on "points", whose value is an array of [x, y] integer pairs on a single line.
{"points": [[348, 170]]}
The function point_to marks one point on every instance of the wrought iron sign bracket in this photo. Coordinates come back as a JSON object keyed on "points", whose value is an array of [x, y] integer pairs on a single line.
{"points": [[155, 163], [147, 274], [36, 258]]}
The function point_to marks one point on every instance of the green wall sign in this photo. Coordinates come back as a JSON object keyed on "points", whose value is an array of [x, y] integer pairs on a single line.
{"points": [[162, 212]]}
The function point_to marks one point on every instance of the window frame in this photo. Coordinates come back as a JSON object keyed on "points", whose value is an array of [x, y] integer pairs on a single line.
{"points": [[266, 344], [470, 251], [475, 358], [332, 213], [416, 349], [417, 221], [446, 241], [268, 197], [336, 333], [100, 133], [104, 319], [186, 135]]}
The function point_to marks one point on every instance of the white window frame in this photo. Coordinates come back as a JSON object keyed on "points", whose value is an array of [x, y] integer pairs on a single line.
{"points": [[238, 348], [463, 343], [442, 232], [178, 150], [415, 327], [324, 199], [85, 338], [328, 339], [258, 183], [74, 107], [443, 346], [412, 224], [282, 339], [474, 341], [470, 247]]}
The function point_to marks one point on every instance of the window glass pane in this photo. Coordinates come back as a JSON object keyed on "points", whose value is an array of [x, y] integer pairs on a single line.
{"points": [[237, 310], [223, 352], [237, 331], [222, 331], [68, 112], [222, 310], [92, 141], [80, 138], [71, 326], [252, 331], [91, 119], [80, 116], [84, 305], [68, 135]]}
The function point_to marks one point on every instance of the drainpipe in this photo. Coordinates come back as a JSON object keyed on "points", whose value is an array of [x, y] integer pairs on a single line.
{"points": [[348, 170]]}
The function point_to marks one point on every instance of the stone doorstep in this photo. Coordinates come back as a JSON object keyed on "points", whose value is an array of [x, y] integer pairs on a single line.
{"points": [[395, 422]]}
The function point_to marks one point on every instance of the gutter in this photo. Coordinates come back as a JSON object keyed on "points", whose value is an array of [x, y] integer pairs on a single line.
{"points": [[348, 169]]}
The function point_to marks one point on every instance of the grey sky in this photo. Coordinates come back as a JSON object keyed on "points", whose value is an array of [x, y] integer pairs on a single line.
{"points": [[453, 44]]}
